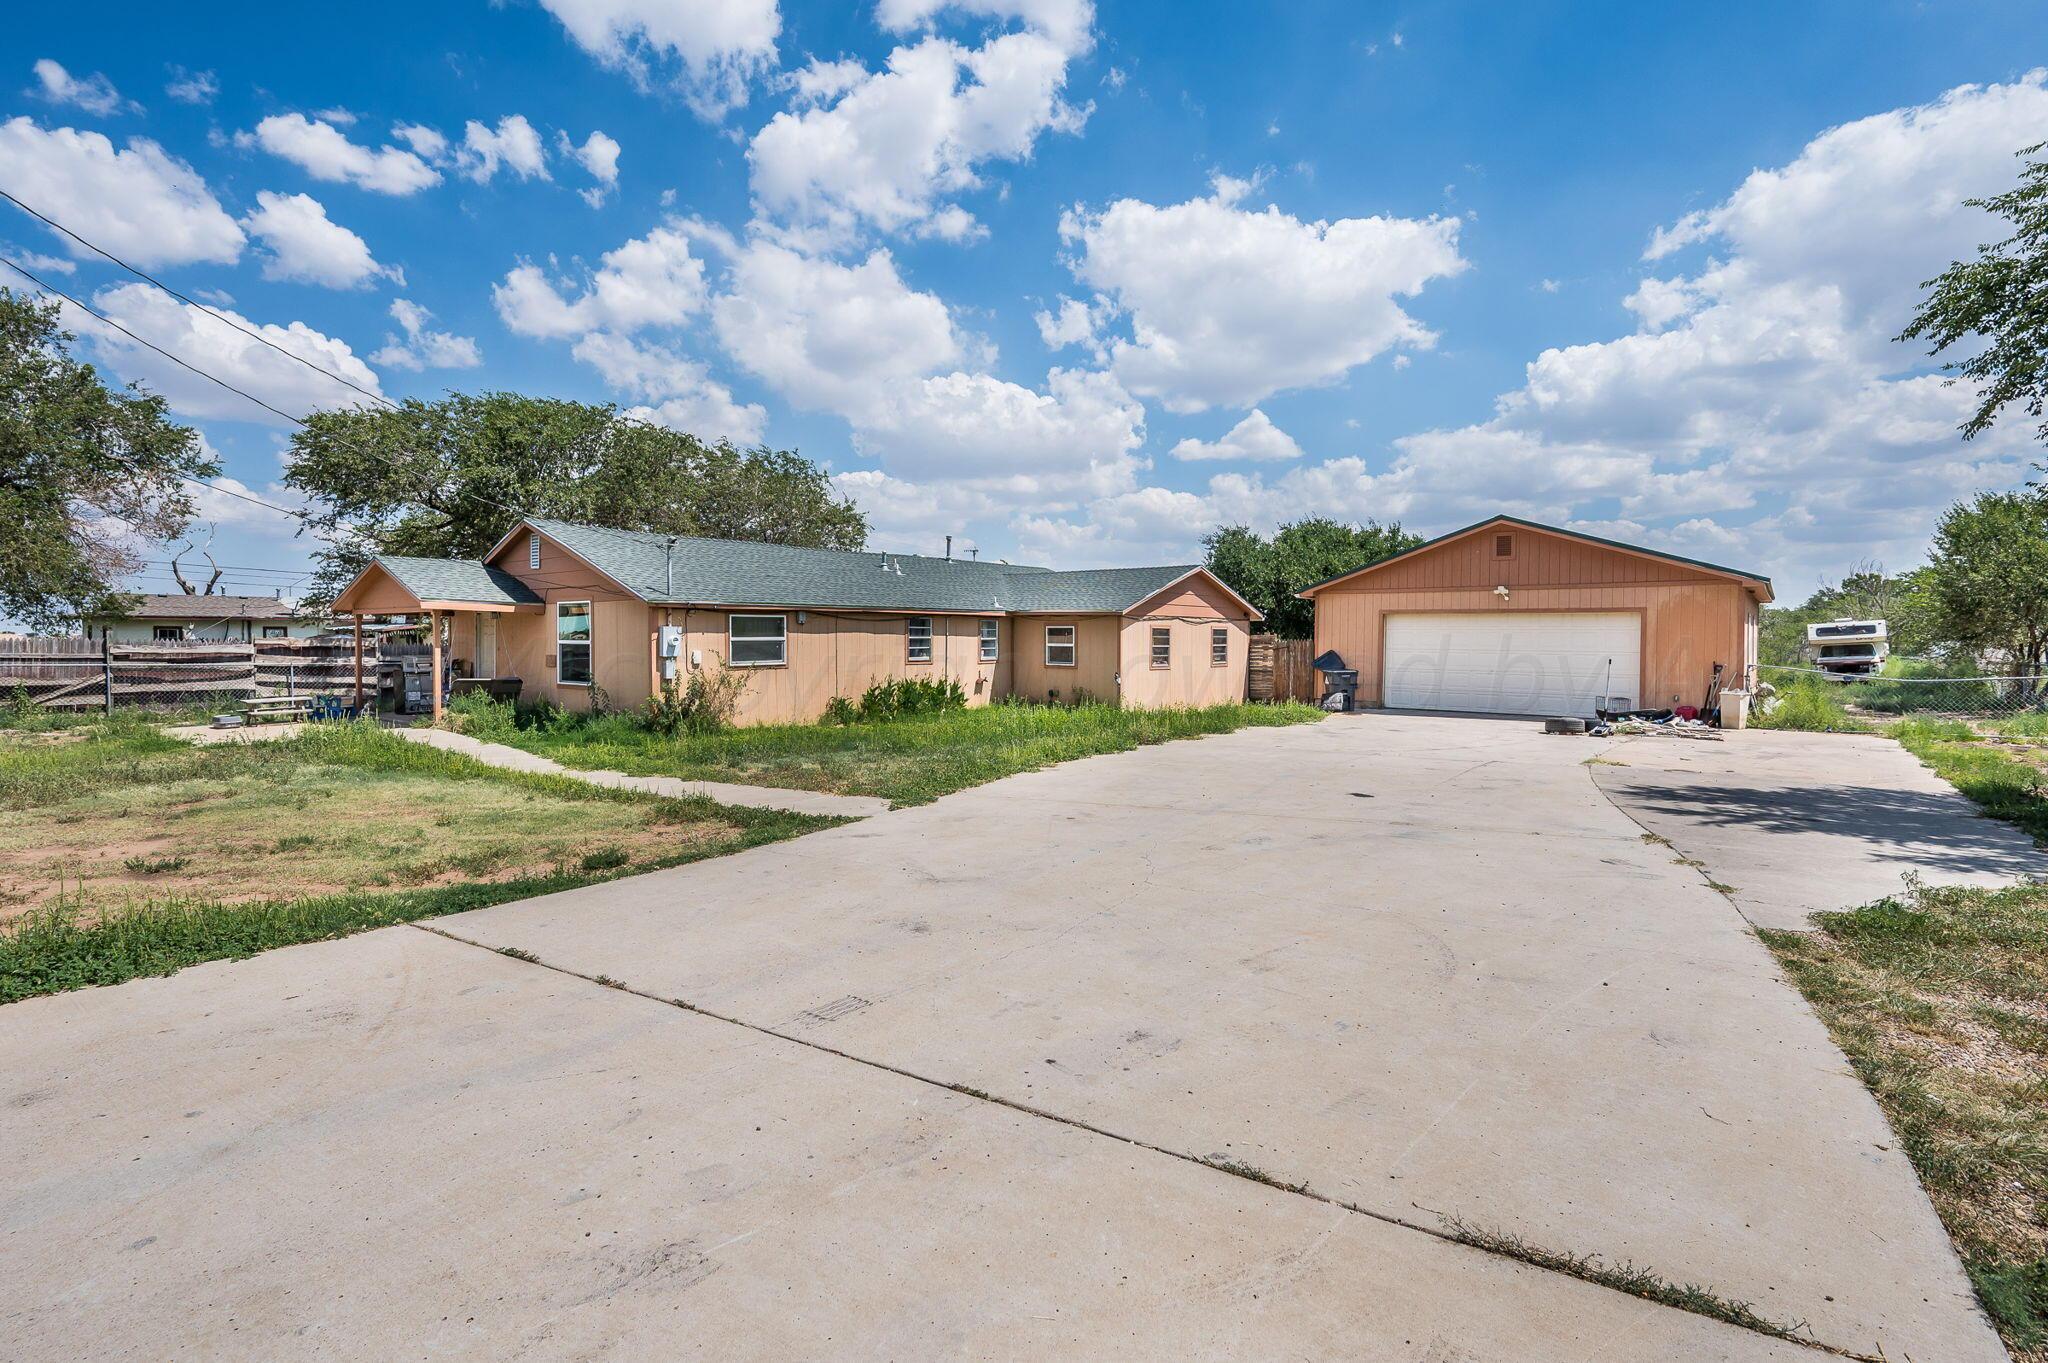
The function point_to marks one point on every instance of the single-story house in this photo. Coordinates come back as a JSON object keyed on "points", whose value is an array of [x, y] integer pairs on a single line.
{"points": [[172, 616], [567, 608], [1512, 617]]}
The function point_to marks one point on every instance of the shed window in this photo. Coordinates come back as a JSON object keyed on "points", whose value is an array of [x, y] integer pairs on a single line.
{"points": [[572, 643], [533, 551], [1219, 647], [1503, 546], [757, 640], [1162, 646], [167, 634], [988, 641], [1059, 645], [918, 632]]}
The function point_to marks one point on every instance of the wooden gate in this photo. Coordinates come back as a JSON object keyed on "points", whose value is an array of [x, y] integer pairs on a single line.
{"points": [[1278, 669]]}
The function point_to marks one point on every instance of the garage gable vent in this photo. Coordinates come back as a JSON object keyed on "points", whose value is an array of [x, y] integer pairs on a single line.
{"points": [[1503, 546], [533, 551]]}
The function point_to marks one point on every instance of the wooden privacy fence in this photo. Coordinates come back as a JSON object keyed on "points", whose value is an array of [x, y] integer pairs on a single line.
{"points": [[71, 673], [1278, 669]]}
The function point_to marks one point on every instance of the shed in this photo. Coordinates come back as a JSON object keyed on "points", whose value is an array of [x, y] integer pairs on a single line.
{"points": [[1510, 616]]}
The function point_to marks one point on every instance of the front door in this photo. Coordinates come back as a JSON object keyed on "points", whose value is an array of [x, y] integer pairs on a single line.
{"points": [[486, 645]]}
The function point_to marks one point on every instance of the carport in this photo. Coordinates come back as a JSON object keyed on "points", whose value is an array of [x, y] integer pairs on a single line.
{"points": [[463, 600], [1509, 616]]}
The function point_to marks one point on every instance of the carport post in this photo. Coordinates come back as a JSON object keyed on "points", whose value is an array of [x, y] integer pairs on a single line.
{"points": [[434, 635], [359, 664]]}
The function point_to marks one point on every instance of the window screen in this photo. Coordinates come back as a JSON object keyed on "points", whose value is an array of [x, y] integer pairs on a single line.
{"points": [[1059, 645], [1219, 647], [1162, 646], [918, 631], [757, 640], [989, 637]]}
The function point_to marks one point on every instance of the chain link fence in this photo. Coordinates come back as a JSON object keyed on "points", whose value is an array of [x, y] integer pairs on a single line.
{"points": [[2012, 705]]}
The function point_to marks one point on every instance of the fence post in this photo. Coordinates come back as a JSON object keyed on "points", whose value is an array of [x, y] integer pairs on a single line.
{"points": [[107, 670], [290, 684]]}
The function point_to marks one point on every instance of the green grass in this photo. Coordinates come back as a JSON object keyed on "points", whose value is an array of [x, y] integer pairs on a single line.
{"points": [[908, 761], [1811, 705], [251, 846], [2008, 781], [1940, 1000]]}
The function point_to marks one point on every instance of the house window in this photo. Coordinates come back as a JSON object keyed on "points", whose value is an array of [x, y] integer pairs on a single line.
{"points": [[1219, 647], [1059, 645], [1162, 646], [572, 643], [273, 631], [917, 631], [758, 640], [533, 551], [988, 640], [167, 634], [1503, 546]]}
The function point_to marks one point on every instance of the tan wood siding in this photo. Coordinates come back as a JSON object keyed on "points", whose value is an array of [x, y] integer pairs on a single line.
{"points": [[561, 576], [1097, 656], [1686, 628], [1539, 560], [1191, 679], [843, 653]]}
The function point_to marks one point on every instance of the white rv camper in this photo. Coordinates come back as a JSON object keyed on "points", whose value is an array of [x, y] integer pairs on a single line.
{"points": [[1847, 648]]}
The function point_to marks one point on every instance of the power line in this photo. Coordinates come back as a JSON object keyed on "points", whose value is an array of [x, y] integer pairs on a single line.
{"points": [[190, 302]]}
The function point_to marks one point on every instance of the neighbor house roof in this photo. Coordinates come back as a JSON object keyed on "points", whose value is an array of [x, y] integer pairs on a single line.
{"points": [[688, 570], [457, 579], [1757, 578], [186, 606]]}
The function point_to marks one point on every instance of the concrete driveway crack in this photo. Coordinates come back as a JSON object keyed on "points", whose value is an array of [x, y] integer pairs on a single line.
{"points": [[1587, 1268]]}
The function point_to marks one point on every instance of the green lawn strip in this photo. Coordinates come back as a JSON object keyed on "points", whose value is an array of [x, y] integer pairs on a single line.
{"points": [[49, 950], [1940, 1000], [2007, 781], [908, 761]]}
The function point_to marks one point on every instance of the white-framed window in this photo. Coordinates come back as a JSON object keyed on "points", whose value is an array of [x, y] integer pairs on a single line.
{"points": [[1219, 647], [533, 551], [990, 636], [1059, 645], [1162, 646], [572, 643], [274, 631], [165, 634], [757, 640], [917, 639]]}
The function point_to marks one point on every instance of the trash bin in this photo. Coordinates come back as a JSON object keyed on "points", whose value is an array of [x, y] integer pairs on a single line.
{"points": [[1340, 683]]}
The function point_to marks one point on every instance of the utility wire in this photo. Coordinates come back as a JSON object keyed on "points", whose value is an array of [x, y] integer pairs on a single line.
{"points": [[144, 275]]}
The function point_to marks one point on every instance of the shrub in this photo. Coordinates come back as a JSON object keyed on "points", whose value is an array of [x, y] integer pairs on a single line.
{"points": [[1811, 704], [605, 859], [839, 710], [905, 696], [701, 703], [475, 713]]}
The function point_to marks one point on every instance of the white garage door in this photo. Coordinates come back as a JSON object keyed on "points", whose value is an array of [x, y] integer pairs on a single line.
{"points": [[1516, 663]]}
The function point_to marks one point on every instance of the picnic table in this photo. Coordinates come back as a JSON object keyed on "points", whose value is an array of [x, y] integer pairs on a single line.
{"points": [[265, 709]]}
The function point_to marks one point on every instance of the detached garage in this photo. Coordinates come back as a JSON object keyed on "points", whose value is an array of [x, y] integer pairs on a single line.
{"points": [[1512, 617]]}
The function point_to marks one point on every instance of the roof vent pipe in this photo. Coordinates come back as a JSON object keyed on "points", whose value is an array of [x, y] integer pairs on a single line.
{"points": [[949, 548]]}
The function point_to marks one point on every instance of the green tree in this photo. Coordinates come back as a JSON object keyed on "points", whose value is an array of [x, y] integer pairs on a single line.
{"points": [[1904, 602], [1998, 301], [86, 471], [1988, 578], [1268, 573], [444, 479]]}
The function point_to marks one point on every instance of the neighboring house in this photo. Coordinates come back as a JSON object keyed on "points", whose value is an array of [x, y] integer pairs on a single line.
{"points": [[180, 615], [1509, 616], [564, 607]]}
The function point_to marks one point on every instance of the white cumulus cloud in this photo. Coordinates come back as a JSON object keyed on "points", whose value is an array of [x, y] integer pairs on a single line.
{"points": [[675, 391], [95, 93], [421, 347], [709, 49], [1255, 438], [1228, 305], [325, 152], [513, 145], [142, 204], [599, 157], [191, 87], [208, 344], [650, 281], [305, 245]]}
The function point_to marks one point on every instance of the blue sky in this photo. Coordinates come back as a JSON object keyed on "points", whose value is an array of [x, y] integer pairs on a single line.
{"points": [[1076, 283]]}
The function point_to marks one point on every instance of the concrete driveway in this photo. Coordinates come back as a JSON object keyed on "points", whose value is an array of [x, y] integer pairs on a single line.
{"points": [[955, 1082]]}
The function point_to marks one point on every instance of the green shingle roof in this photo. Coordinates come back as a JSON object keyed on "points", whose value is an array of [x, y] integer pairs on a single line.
{"points": [[688, 570], [452, 579]]}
